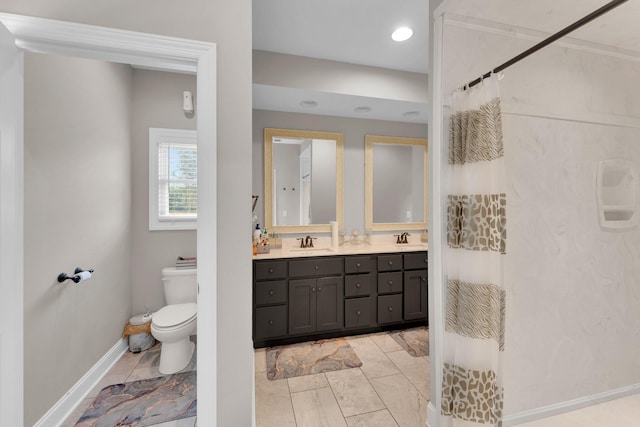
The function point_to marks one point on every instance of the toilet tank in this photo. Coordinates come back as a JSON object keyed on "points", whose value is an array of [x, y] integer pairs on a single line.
{"points": [[180, 285]]}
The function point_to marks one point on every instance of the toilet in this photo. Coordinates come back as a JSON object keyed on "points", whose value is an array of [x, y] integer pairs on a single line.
{"points": [[173, 324]]}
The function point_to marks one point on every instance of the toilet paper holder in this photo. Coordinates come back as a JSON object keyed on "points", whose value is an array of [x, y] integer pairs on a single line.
{"points": [[76, 278]]}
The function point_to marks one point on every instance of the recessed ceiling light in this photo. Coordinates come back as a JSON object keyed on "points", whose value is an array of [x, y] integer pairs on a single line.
{"points": [[411, 114], [401, 34], [308, 103], [362, 109]]}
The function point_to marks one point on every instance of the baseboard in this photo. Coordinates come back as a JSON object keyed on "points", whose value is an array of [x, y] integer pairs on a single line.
{"points": [[63, 407], [570, 405], [431, 414]]}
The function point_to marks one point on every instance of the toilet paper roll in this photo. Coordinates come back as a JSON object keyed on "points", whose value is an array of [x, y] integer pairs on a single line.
{"points": [[334, 234], [82, 276]]}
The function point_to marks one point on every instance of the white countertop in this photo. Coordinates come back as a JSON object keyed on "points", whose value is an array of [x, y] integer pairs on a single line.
{"points": [[346, 249]]}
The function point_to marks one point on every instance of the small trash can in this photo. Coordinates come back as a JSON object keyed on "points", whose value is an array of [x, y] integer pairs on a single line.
{"points": [[138, 329]]}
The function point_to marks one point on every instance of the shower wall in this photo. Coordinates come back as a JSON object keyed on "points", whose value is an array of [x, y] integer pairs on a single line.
{"points": [[573, 328]]}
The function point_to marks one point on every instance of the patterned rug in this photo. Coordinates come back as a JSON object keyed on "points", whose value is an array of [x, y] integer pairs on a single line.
{"points": [[310, 358], [415, 340], [144, 402]]}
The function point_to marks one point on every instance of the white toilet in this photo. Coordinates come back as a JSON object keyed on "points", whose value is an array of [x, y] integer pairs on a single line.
{"points": [[173, 324]]}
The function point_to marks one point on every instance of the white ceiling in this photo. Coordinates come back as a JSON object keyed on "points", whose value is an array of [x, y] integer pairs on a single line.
{"points": [[358, 31], [352, 31]]}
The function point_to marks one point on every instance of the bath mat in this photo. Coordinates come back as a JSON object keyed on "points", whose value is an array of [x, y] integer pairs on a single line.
{"points": [[310, 358], [415, 340], [144, 402]]}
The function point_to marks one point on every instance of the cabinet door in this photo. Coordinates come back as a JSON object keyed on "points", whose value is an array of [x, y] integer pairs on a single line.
{"points": [[302, 306], [415, 294], [329, 305]]}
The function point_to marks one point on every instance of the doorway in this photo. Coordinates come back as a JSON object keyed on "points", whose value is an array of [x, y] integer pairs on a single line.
{"points": [[157, 52]]}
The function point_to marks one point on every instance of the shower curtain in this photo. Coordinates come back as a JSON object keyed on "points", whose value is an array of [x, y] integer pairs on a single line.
{"points": [[472, 392]]}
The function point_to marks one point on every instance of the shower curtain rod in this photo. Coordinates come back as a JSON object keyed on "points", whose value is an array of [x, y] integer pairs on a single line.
{"points": [[590, 17]]}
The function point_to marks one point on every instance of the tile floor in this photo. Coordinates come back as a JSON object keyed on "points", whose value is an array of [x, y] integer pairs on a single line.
{"points": [[132, 367], [390, 389]]}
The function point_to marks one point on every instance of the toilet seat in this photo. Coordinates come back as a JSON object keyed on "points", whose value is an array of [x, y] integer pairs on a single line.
{"points": [[174, 315]]}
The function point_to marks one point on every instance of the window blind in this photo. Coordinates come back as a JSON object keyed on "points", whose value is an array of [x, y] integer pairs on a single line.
{"points": [[177, 181]]}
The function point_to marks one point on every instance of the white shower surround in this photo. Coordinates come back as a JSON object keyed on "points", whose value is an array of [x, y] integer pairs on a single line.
{"points": [[573, 328]]}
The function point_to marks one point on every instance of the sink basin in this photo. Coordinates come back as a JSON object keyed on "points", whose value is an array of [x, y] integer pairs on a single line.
{"points": [[409, 246], [311, 250]]}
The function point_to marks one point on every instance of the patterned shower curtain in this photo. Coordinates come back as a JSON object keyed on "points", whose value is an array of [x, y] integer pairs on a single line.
{"points": [[472, 392]]}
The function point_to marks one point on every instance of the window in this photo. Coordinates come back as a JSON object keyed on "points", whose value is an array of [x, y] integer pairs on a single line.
{"points": [[173, 179]]}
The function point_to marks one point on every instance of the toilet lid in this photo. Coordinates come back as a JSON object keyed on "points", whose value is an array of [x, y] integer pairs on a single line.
{"points": [[175, 314]]}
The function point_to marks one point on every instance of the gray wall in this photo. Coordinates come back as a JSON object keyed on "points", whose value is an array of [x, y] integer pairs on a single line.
{"points": [[157, 102], [77, 213], [228, 24], [354, 131]]}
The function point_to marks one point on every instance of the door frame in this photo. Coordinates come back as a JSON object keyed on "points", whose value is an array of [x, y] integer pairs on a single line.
{"points": [[150, 51]]}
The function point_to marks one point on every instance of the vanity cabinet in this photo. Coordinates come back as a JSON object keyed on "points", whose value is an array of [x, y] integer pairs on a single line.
{"points": [[315, 305], [415, 286], [300, 299], [359, 304], [270, 302]]}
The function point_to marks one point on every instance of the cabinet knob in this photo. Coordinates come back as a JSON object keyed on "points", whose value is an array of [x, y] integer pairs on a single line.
{"points": [[319, 289], [271, 270], [424, 279], [313, 289], [271, 292], [426, 260], [316, 268], [357, 312], [271, 322], [358, 265], [390, 263], [358, 285], [390, 308], [390, 282]]}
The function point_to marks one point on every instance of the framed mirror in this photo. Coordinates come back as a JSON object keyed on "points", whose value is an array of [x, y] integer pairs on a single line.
{"points": [[395, 183], [302, 180]]}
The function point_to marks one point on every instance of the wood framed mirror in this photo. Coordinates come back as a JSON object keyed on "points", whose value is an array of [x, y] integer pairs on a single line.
{"points": [[395, 183], [303, 180]]}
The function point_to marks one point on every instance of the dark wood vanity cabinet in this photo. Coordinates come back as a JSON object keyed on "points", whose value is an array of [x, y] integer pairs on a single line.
{"points": [[315, 305], [415, 286], [299, 299]]}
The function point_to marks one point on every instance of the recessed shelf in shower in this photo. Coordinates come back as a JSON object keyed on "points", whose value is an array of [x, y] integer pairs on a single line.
{"points": [[616, 193]]}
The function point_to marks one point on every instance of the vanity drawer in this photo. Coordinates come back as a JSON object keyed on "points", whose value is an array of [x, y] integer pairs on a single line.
{"points": [[390, 262], [415, 261], [357, 285], [357, 312], [389, 308], [272, 292], [271, 321], [357, 264], [266, 270], [390, 282], [316, 267]]}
